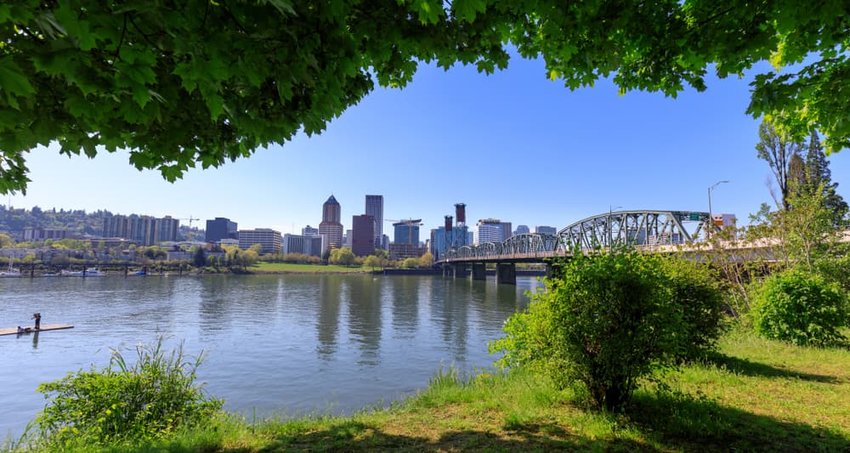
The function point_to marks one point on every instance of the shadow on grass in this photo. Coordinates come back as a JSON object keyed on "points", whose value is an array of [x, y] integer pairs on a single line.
{"points": [[353, 436], [702, 425], [755, 369]]}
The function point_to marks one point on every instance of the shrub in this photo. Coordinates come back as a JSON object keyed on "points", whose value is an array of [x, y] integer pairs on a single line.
{"points": [[801, 308], [606, 321], [697, 295], [120, 403]]}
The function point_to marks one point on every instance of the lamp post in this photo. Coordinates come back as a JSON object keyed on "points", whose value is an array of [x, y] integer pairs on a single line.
{"points": [[710, 217]]}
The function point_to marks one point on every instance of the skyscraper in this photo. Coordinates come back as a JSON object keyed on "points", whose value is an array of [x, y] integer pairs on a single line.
{"points": [[363, 235], [331, 226], [375, 208]]}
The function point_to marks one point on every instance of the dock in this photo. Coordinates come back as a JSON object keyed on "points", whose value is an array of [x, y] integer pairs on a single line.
{"points": [[44, 328]]}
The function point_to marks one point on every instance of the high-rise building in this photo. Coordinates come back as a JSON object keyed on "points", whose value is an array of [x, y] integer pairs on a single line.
{"points": [[144, 230], [521, 229], [331, 226], [490, 230], [363, 235], [309, 231], [406, 232], [269, 240], [540, 229], [442, 240], [221, 228], [375, 208], [168, 228]]}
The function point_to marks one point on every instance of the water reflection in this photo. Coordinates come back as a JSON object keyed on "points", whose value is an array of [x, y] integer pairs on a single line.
{"points": [[276, 344], [364, 317], [327, 321], [403, 296]]}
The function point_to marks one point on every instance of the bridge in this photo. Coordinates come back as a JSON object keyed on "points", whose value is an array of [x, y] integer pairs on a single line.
{"points": [[654, 229]]}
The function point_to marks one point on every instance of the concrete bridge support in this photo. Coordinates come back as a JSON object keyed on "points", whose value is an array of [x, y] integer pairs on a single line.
{"points": [[479, 271], [460, 270], [506, 273]]}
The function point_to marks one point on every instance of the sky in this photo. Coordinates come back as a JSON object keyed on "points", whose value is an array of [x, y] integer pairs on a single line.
{"points": [[513, 145]]}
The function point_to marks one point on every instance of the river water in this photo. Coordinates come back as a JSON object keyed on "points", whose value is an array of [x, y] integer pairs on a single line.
{"points": [[276, 346]]}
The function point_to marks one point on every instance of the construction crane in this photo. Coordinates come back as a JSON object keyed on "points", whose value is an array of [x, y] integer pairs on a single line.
{"points": [[190, 219], [415, 222]]}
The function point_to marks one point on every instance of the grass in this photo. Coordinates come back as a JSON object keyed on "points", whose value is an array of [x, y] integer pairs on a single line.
{"points": [[755, 394], [292, 268]]}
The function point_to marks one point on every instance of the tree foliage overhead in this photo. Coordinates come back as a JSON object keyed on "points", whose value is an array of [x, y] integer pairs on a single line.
{"points": [[211, 81]]}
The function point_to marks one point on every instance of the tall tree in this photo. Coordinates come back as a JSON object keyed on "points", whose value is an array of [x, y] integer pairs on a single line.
{"points": [[779, 152], [819, 177], [212, 81]]}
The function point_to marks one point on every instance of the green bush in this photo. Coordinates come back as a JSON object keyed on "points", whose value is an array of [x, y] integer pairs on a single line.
{"points": [[606, 321], [122, 403], [801, 308], [697, 295], [835, 270]]}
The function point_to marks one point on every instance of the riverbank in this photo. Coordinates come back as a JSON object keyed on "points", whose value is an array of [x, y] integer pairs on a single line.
{"points": [[756, 395]]}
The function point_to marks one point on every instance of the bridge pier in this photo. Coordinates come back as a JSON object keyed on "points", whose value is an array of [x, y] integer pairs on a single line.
{"points": [[479, 271], [506, 273], [460, 270]]}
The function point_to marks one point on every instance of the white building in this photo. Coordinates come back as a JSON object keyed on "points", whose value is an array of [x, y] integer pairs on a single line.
{"points": [[270, 240]]}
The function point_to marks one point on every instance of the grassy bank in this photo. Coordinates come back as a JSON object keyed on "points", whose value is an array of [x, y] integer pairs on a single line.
{"points": [[292, 268], [756, 395]]}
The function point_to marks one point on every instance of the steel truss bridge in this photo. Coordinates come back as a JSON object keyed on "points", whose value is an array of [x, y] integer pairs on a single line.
{"points": [[659, 230]]}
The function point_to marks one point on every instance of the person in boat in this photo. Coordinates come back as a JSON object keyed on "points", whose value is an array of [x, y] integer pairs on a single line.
{"points": [[37, 317], [24, 330]]}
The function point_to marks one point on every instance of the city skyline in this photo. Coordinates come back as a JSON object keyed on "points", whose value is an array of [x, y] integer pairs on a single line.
{"points": [[512, 146]]}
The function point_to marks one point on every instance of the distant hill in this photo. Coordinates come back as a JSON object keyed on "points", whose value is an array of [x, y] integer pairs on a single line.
{"points": [[77, 222], [13, 221]]}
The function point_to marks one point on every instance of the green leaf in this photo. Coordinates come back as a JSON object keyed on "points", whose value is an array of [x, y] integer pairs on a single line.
{"points": [[466, 10], [13, 80]]}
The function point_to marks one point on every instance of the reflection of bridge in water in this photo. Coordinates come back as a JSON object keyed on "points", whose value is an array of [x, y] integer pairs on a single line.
{"points": [[639, 229]]}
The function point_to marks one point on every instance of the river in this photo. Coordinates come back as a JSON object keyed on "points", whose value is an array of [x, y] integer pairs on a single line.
{"points": [[275, 345]]}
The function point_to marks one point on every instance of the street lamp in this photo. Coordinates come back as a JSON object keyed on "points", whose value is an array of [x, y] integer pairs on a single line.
{"points": [[710, 217]]}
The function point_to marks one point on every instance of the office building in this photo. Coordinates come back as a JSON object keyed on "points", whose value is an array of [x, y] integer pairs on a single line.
{"points": [[309, 231], [269, 240], [375, 208], [220, 228], [304, 244], [363, 235], [455, 238], [540, 229], [40, 234], [331, 227], [402, 251], [493, 230], [406, 232], [521, 229]]}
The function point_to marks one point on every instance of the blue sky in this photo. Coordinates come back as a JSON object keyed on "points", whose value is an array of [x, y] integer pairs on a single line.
{"points": [[513, 145]]}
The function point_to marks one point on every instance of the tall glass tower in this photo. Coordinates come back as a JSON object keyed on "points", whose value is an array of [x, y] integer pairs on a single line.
{"points": [[375, 208]]}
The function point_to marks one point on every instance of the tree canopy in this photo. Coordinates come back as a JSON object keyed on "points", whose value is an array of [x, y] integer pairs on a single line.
{"points": [[211, 81]]}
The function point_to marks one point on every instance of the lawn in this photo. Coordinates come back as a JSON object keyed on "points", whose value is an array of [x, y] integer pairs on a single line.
{"points": [[755, 395], [291, 268]]}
